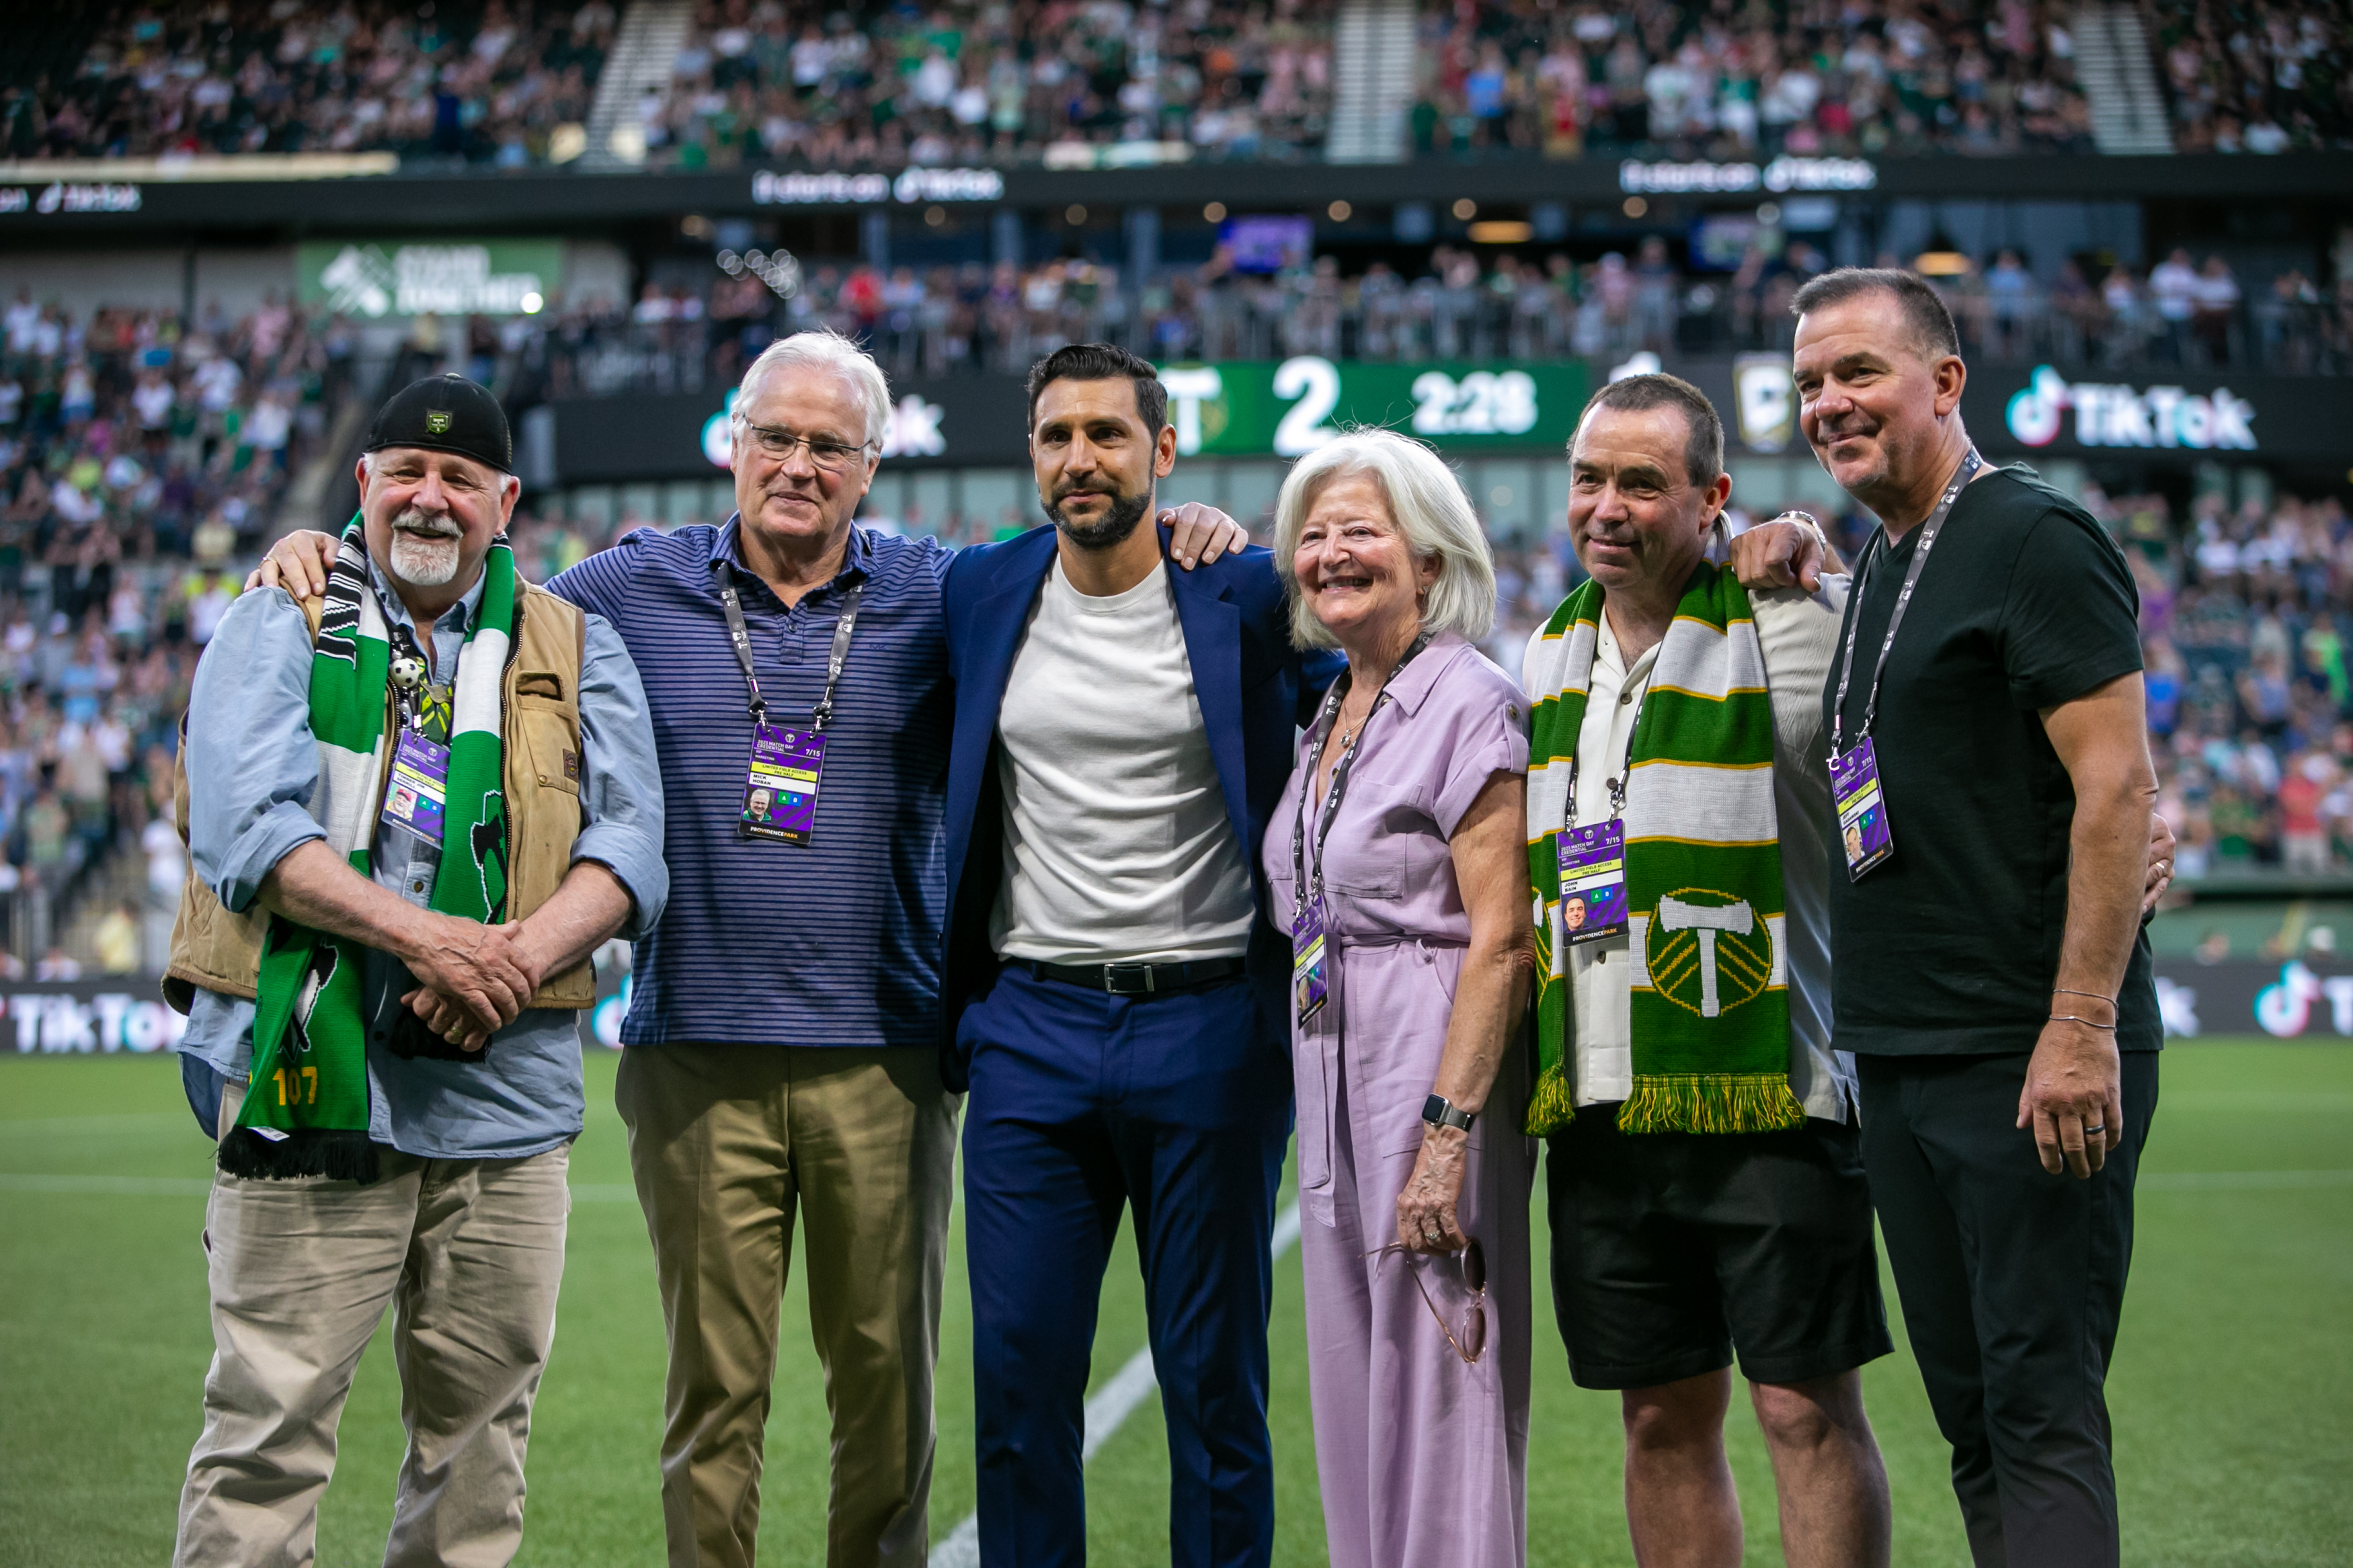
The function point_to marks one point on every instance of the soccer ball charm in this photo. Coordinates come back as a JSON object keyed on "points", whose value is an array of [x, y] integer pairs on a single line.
{"points": [[407, 673]]}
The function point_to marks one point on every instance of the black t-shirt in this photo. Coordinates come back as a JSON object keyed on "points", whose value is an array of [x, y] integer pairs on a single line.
{"points": [[1951, 945]]}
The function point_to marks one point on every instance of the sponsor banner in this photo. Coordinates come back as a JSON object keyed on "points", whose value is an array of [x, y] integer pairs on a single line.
{"points": [[122, 1014], [956, 422], [2023, 411], [72, 198], [1287, 408], [2289, 1001], [2170, 416], [831, 188], [86, 1017], [1637, 178], [370, 281]]}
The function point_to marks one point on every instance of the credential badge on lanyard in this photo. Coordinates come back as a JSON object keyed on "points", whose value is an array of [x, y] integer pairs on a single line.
{"points": [[417, 794], [1864, 834], [1310, 948], [1593, 857], [781, 782]]}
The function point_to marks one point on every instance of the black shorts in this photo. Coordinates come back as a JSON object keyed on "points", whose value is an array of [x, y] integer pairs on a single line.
{"points": [[1670, 1249]]}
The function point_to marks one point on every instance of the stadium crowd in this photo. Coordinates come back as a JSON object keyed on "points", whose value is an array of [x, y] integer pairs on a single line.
{"points": [[943, 319], [1863, 78], [995, 83], [490, 86], [2257, 77], [511, 85], [2245, 613], [140, 455]]}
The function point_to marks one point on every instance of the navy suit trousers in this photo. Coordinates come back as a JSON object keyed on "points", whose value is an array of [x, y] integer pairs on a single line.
{"points": [[1177, 1106]]}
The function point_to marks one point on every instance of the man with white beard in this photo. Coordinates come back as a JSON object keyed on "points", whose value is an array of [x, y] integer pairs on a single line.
{"points": [[414, 807]]}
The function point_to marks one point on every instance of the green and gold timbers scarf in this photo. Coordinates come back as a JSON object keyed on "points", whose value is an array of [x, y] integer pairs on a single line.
{"points": [[1710, 1004], [306, 1108]]}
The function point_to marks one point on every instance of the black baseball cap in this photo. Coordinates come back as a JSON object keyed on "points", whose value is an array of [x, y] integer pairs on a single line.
{"points": [[446, 414]]}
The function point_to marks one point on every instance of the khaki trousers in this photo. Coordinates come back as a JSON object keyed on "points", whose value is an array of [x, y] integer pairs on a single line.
{"points": [[469, 1253], [725, 1141]]}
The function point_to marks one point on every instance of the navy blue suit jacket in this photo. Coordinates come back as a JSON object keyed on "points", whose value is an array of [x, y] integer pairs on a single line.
{"points": [[1255, 689]]}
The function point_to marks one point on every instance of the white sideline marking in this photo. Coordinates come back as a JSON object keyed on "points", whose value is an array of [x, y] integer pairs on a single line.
{"points": [[2239, 1181], [1113, 1404]]}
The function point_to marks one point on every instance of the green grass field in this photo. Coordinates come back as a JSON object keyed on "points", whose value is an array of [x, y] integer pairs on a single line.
{"points": [[2233, 1391]]}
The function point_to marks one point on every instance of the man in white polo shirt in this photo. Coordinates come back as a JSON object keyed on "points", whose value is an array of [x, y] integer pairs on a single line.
{"points": [[1704, 1172]]}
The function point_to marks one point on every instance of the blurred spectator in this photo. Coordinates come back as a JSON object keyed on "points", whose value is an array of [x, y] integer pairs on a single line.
{"points": [[1658, 78], [2256, 78], [117, 942], [888, 86]]}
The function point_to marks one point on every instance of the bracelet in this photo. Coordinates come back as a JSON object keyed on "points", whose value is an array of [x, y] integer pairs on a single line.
{"points": [[2069, 991], [2071, 1018]]}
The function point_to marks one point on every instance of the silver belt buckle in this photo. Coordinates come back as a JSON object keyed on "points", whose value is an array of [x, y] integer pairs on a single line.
{"points": [[1140, 974]]}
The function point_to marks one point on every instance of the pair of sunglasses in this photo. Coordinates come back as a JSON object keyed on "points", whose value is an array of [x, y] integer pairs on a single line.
{"points": [[1469, 1337]]}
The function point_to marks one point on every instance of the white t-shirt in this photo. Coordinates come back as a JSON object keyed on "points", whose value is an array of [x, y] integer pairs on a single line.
{"points": [[1799, 634], [1117, 846]]}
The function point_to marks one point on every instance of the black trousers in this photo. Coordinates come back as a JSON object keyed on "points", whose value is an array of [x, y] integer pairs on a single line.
{"points": [[2011, 1281]]}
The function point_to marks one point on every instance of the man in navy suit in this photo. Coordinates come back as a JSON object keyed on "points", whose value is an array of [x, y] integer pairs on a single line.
{"points": [[1112, 994]]}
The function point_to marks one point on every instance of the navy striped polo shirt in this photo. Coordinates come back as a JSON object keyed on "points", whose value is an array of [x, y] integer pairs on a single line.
{"points": [[835, 943]]}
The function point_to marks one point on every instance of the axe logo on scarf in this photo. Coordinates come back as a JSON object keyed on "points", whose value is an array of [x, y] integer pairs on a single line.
{"points": [[488, 842], [324, 957], [1708, 952]]}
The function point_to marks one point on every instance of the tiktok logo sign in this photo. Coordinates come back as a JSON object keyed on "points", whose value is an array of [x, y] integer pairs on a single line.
{"points": [[2109, 416]]}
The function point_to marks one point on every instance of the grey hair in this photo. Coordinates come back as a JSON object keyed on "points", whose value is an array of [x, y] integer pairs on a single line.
{"points": [[821, 348], [1430, 509]]}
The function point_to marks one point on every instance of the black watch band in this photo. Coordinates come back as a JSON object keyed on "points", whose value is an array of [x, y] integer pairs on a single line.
{"points": [[1440, 1113]]}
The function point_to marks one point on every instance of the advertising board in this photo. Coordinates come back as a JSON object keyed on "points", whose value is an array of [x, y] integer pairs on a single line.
{"points": [[375, 281]]}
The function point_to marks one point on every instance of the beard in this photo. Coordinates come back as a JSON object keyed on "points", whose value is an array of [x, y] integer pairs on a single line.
{"points": [[1119, 521], [426, 550]]}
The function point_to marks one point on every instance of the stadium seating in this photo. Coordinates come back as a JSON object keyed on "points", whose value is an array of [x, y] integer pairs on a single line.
{"points": [[2257, 79], [456, 83], [867, 85]]}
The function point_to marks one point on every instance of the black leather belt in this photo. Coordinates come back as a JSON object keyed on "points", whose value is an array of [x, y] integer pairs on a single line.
{"points": [[1136, 979]]}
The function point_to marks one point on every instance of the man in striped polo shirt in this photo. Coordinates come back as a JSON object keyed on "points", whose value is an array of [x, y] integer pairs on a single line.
{"points": [[783, 1030]]}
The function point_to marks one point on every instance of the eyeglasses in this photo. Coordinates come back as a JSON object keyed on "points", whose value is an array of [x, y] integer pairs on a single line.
{"points": [[1470, 1339], [777, 445]]}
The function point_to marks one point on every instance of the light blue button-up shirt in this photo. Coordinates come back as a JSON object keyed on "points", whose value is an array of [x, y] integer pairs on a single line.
{"points": [[253, 769]]}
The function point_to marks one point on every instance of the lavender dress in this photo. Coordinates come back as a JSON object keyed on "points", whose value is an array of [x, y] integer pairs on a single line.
{"points": [[1422, 1458]]}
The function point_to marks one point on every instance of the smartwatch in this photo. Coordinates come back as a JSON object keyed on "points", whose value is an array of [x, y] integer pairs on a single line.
{"points": [[1440, 1113]]}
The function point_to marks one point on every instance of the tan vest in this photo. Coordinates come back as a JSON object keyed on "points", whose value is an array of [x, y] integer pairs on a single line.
{"points": [[222, 952]]}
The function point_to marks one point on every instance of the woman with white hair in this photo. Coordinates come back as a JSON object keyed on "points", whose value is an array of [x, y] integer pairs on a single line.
{"points": [[1399, 857]]}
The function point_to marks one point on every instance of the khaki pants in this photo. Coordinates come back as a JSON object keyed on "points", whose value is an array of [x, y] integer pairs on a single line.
{"points": [[725, 1141], [470, 1253]]}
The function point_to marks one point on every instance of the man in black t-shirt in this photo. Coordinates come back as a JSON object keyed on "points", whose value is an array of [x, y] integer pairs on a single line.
{"points": [[1988, 973]]}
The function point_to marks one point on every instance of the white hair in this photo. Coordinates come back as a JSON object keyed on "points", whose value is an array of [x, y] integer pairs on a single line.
{"points": [[821, 348], [1431, 512]]}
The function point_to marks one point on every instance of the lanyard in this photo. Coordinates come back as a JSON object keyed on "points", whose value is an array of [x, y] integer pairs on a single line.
{"points": [[1625, 768], [740, 636], [1970, 464], [1338, 790]]}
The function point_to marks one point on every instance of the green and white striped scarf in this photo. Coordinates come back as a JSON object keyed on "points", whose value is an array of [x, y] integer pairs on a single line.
{"points": [[306, 1106], [1710, 1014]]}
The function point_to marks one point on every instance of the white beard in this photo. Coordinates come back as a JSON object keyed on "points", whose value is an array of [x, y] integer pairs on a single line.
{"points": [[424, 562]]}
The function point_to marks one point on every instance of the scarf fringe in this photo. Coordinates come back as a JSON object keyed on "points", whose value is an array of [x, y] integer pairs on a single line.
{"points": [[1552, 1105], [335, 1153], [1712, 1102]]}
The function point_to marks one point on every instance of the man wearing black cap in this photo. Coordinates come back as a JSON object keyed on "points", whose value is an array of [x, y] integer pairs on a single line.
{"points": [[414, 807]]}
